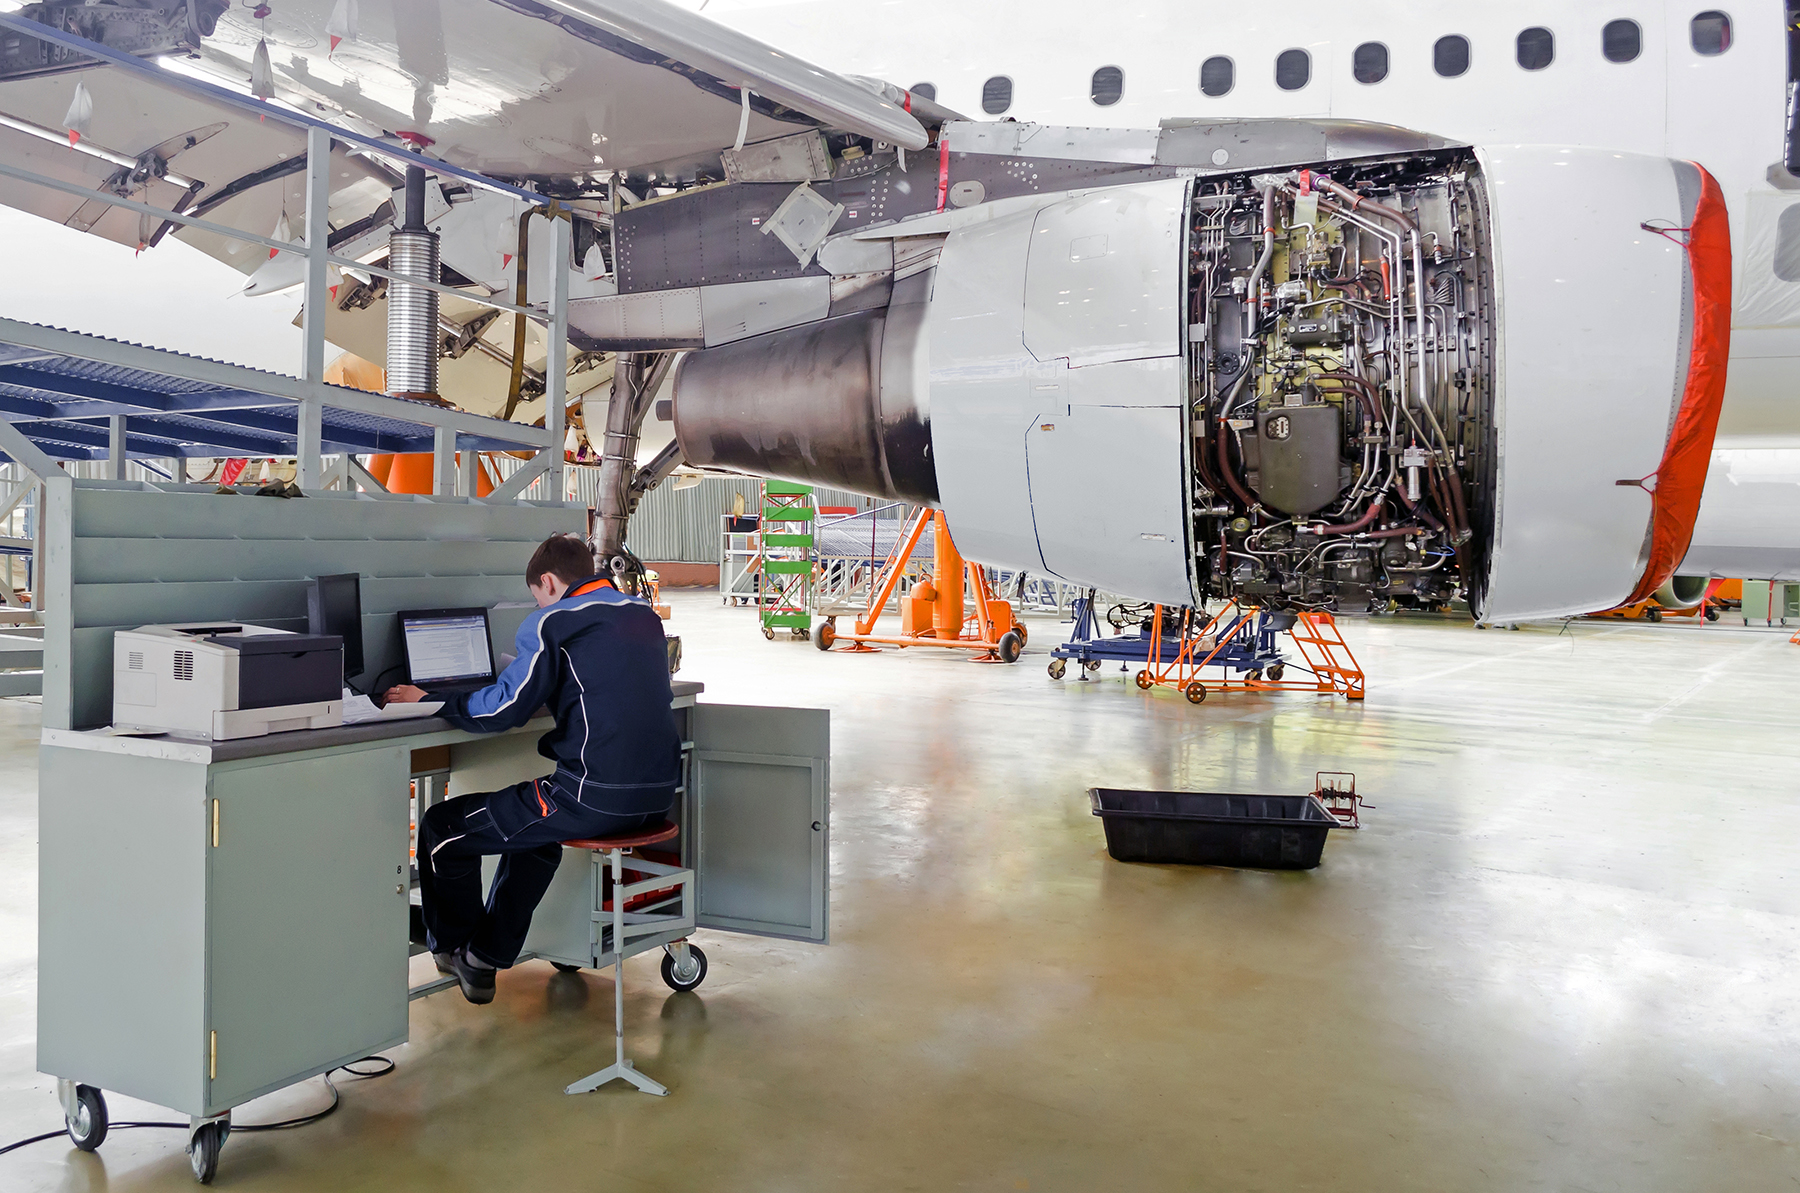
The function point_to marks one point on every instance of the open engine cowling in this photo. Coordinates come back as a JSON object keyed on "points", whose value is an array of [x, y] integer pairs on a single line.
{"points": [[1488, 374]]}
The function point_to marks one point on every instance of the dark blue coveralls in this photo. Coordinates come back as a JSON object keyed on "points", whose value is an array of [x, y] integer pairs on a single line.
{"points": [[598, 659]]}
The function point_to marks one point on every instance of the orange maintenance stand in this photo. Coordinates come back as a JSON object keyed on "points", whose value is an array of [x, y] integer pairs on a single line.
{"points": [[935, 612]]}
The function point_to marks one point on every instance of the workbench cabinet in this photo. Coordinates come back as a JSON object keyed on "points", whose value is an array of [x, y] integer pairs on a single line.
{"points": [[211, 932]]}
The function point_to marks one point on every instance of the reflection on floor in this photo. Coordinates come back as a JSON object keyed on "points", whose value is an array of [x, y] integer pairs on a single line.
{"points": [[1562, 954]]}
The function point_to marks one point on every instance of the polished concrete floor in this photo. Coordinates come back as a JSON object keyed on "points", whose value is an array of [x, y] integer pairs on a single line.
{"points": [[1564, 953]]}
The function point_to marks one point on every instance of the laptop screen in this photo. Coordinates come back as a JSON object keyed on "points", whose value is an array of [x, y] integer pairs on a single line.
{"points": [[447, 645]]}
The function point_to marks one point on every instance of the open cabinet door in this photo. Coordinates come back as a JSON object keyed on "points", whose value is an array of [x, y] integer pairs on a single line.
{"points": [[760, 805]]}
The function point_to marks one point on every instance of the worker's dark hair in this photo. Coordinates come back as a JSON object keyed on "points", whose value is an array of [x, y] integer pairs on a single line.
{"points": [[568, 557]]}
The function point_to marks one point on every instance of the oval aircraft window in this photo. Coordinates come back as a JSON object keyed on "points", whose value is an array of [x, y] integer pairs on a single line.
{"points": [[1787, 244], [996, 95], [1293, 70], [1621, 41], [924, 90], [1370, 62], [1450, 56], [1711, 32], [1537, 48], [1107, 86], [1217, 74]]}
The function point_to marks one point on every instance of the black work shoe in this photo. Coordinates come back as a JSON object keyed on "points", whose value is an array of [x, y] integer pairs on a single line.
{"points": [[477, 981], [446, 963]]}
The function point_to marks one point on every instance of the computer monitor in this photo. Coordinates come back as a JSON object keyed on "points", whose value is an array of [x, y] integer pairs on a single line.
{"points": [[447, 647], [334, 606]]}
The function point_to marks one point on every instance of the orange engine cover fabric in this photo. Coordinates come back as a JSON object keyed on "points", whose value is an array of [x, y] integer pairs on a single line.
{"points": [[1681, 476]]}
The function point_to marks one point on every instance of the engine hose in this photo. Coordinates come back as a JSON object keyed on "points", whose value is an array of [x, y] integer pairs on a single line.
{"points": [[1225, 408], [1254, 291], [1417, 508], [516, 382], [1373, 512]]}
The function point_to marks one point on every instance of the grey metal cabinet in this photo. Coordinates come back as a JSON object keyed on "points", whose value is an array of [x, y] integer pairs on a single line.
{"points": [[755, 816], [217, 921], [214, 931], [759, 817], [308, 913]]}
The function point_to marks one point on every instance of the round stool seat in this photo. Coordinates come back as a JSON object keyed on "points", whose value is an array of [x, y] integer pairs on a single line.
{"points": [[653, 835]]}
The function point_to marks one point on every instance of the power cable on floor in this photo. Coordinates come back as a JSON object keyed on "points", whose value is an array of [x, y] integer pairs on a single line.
{"points": [[283, 1125]]}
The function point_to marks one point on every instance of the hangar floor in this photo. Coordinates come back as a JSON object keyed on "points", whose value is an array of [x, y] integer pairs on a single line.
{"points": [[1562, 955]]}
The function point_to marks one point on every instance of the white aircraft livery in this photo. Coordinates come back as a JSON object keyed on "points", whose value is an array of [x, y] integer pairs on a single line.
{"points": [[1324, 306]]}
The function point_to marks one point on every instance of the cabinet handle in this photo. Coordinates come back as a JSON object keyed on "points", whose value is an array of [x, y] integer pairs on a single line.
{"points": [[215, 824]]}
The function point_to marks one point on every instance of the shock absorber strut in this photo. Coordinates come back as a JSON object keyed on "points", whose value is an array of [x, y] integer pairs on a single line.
{"points": [[412, 335]]}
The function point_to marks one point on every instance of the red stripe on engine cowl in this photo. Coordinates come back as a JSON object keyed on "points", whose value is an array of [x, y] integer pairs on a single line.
{"points": [[943, 167], [1680, 478]]}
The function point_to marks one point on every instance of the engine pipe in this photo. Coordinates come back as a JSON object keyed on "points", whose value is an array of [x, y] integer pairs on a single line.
{"points": [[1253, 309]]}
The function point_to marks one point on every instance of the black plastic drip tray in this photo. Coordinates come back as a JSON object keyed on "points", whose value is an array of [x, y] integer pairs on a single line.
{"points": [[1212, 828]]}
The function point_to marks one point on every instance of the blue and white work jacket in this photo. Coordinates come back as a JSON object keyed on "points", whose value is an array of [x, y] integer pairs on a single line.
{"points": [[598, 659]]}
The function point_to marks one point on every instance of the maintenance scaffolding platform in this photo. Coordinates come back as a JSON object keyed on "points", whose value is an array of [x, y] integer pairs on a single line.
{"points": [[1175, 647]]}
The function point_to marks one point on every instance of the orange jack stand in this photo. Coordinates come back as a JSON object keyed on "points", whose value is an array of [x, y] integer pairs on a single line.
{"points": [[935, 612], [1335, 671]]}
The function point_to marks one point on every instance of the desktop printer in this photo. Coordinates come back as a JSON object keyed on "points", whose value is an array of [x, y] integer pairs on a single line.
{"points": [[221, 681]]}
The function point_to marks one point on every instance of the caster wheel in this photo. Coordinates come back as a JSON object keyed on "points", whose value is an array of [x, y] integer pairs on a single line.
{"points": [[203, 1151], [1023, 633], [769, 633], [559, 967], [679, 978], [826, 636], [1276, 672], [1712, 614], [87, 1127], [1092, 666], [1255, 675], [1195, 692], [1010, 646], [1653, 615], [1143, 680], [1058, 668]]}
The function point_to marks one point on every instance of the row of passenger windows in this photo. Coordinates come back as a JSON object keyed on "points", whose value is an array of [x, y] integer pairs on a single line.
{"points": [[1534, 49]]}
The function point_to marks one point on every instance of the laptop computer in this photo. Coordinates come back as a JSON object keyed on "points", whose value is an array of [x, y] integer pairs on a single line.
{"points": [[447, 650]]}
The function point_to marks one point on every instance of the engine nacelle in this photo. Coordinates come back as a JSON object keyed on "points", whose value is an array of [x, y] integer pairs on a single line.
{"points": [[1423, 375]]}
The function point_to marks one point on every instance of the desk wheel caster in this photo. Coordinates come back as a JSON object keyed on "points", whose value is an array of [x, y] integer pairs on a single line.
{"points": [[1276, 672], [559, 967], [686, 974], [87, 1126], [1195, 692], [203, 1150], [1143, 680], [1057, 668]]}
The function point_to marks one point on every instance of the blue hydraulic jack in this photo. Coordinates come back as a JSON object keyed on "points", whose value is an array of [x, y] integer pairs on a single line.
{"points": [[1248, 648]]}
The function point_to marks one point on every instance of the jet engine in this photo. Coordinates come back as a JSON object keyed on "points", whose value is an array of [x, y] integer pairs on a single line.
{"points": [[1357, 382]]}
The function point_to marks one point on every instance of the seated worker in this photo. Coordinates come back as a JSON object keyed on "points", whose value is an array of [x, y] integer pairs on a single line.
{"points": [[597, 658]]}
